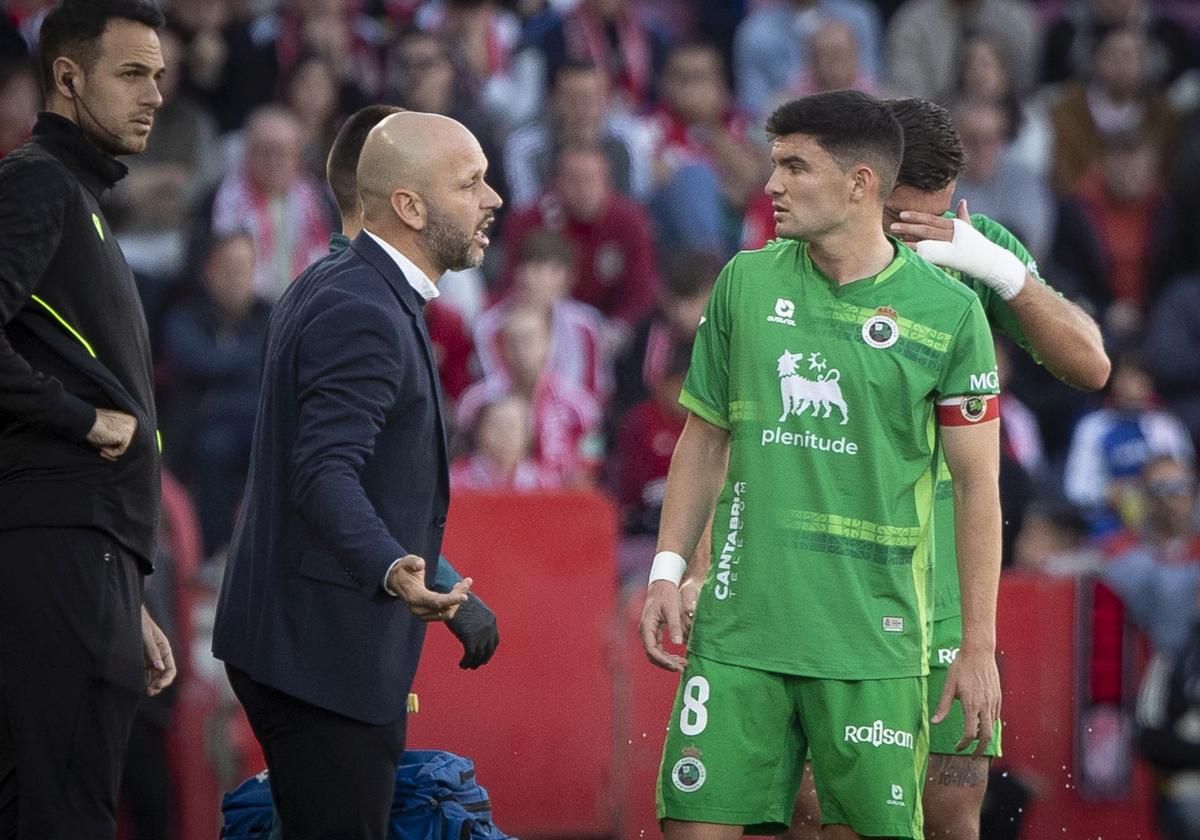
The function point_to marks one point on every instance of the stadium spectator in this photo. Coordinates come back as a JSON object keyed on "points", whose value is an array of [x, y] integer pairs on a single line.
{"points": [[925, 37], [995, 183], [567, 435], [1020, 437], [257, 51], [485, 35], [773, 46], [19, 102], [833, 62], [578, 113], [666, 332], [645, 442], [611, 233], [1115, 233], [150, 205], [1053, 539], [500, 457], [270, 195], [605, 33], [1072, 40], [1113, 97], [310, 92], [1110, 447], [542, 283], [1157, 576], [986, 74], [706, 167], [212, 349], [1172, 340]]}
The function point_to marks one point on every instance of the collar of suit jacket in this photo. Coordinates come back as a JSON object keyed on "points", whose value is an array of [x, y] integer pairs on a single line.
{"points": [[416, 278]]}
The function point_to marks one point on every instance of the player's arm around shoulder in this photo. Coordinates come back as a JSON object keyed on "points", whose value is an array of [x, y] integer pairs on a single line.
{"points": [[1053, 329]]}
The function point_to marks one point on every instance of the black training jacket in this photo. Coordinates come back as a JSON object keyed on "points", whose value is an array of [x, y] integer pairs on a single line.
{"points": [[73, 338]]}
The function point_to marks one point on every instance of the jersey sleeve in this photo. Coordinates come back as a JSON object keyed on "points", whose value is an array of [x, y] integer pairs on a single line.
{"points": [[999, 314], [706, 388], [969, 383]]}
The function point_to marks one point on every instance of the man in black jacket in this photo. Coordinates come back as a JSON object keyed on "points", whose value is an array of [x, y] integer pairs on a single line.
{"points": [[79, 455], [320, 620]]}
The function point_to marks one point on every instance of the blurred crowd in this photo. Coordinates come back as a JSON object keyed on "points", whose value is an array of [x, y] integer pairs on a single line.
{"points": [[626, 139]]}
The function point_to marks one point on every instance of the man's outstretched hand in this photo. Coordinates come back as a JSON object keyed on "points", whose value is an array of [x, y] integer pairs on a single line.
{"points": [[475, 626], [406, 580]]}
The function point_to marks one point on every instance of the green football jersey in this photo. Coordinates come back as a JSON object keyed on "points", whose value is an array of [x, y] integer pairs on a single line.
{"points": [[1001, 317], [822, 537]]}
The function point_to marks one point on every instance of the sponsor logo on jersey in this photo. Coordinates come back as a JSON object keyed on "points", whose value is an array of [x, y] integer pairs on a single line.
{"points": [[688, 774], [946, 656], [785, 313], [799, 393], [893, 624], [985, 381], [881, 330], [727, 562], [897, 796], [878, 735]]}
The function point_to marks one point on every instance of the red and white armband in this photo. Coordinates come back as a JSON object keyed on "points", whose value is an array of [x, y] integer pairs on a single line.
{"points": [[968, 410]]}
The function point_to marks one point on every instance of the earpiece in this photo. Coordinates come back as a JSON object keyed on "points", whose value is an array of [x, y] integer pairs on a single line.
{"points": [[69, 81]]}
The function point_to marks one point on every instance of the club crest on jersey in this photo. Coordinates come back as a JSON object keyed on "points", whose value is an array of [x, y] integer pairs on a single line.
{"points": [[881, 330], [800, 393], [785, 313]]}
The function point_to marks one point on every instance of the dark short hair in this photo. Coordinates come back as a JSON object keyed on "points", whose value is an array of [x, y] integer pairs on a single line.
{"points": [[851, 126], [933, 151], [547, 246], [341, 168], [689, 272], [73, 28], [574, 65]]}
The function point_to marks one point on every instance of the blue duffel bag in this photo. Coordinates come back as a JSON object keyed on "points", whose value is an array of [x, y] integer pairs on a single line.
{"points": [[437, 798]]}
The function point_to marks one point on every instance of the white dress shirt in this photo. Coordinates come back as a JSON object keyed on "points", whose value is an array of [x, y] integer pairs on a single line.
{"points": [[420, 281]]}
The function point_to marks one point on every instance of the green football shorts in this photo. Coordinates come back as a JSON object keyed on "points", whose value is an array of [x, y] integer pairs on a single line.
{"points": [[947, 637], [737, 738]]}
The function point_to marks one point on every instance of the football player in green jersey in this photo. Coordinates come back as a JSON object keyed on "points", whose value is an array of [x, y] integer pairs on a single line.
{"points": [[813, 623], [1051, 329]]}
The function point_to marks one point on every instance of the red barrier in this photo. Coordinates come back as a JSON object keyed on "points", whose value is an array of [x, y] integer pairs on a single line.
{"points": [[538, 719], [1036, 629], [566, 724]]}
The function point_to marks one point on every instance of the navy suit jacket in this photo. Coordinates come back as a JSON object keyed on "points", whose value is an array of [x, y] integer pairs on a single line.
{"points": [[348, 472]]}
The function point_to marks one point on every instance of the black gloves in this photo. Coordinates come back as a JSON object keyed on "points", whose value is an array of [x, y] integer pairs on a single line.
{"points": [[475, 626]]}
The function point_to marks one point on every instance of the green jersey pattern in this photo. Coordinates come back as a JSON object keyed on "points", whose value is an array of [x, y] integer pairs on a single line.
{"points": [[822, 537], [1001, 317]]}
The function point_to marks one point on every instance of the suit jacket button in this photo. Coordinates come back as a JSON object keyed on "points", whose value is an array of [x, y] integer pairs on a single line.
{"points": [[441, 521]]}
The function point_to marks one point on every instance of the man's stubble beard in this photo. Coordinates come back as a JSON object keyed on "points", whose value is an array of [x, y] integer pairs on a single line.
{"points": [[450, 249]]}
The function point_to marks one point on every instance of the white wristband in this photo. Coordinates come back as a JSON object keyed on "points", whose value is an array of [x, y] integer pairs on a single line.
{"points": [[668, 565]]}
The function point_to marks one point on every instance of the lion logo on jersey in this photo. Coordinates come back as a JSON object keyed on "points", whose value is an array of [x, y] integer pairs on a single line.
{"points": [[799, 394]]}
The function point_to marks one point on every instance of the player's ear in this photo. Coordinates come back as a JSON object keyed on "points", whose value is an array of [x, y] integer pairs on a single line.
{"points": [[863, 183]]}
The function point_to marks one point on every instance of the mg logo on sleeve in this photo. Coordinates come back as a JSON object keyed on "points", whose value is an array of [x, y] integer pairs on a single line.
{"points": [[897, 796], [785, 313]]}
